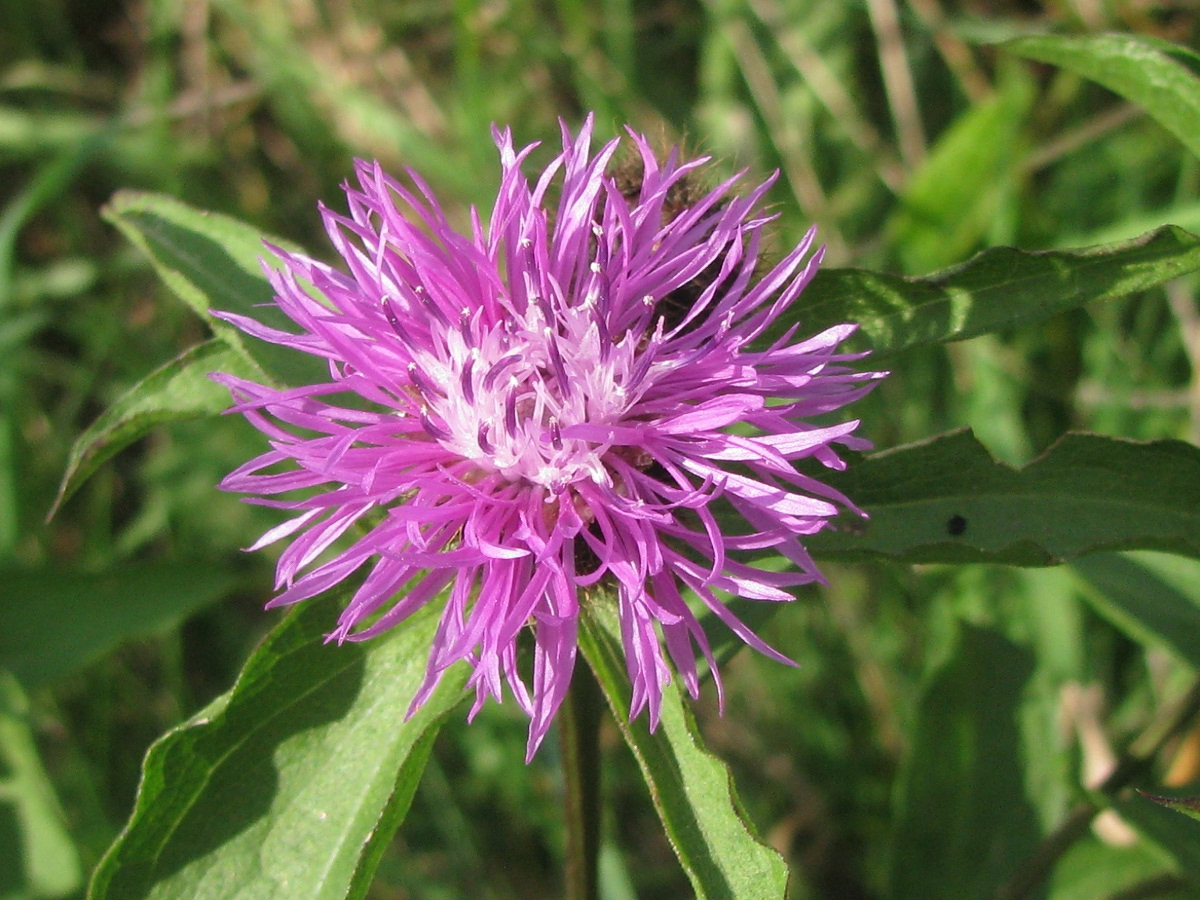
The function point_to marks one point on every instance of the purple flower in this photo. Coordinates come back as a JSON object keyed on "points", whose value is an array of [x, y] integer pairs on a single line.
{"points": [[533, 411]]}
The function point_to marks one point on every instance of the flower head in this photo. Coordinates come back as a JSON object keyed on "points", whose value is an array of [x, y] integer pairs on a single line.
{"points": [[529, 413]]}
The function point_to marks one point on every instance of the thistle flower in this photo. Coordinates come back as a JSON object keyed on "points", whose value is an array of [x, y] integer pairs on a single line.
{"points": [[525, 422]]}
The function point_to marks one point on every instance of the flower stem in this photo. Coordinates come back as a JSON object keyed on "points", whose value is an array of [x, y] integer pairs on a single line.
{"points": [[579, 728]]}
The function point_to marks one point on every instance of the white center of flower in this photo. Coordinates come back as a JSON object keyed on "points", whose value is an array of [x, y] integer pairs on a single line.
{"points": [[506, 395]]}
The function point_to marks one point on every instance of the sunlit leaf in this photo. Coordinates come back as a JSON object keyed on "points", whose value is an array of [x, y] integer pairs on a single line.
{"points": [[947, 500], [279, 789], [999, 290], [1157, 76], [691, 789], [951, 200], [178, 391], [213, 262]]}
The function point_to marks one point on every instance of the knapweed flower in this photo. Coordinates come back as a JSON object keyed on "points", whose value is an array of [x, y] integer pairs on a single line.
{"points": [[532, 414]]}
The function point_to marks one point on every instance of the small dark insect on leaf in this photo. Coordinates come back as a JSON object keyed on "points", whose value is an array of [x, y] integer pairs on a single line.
{"points": [[956, 525]]}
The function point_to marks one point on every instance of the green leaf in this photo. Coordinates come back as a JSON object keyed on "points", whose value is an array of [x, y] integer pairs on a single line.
{"points": [[691, 789], [38, 859], [212, 262], [392, 817], [952, 199], [964, 821], [178, 391], [1165, 828], [998, 290], [1135, 593], [282, 788], [947, 500], [1157, 76], [1092, 868], [1189, 806], [57, 621], [30, 134]]}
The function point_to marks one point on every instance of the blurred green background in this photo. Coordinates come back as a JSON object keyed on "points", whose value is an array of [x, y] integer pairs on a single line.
{"points": [[898, 129]]}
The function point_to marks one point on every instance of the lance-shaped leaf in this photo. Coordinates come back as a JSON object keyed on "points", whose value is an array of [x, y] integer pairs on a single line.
{"points": [[57, 620], [1164, 828], [691, 789], [947, 500], [997, 290], [964, 820], [37, 857], [281, 788], [178, 391], [1094, 868], [212, 262], [1143, 595], [1158, 76], [1189, 806], [952, 198]]}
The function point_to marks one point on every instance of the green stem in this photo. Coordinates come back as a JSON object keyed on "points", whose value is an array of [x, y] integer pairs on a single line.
{"points": [[579, 727]]}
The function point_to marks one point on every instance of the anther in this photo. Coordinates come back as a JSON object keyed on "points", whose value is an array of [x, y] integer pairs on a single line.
{"points": [[431, 427], [510, 408], [499, 368], [481, 438], [390, 313], [421, 381], [642, 366], [556, 360], [467, 382]]}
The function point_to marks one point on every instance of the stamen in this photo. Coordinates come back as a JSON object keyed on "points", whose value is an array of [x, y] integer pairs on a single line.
{"points": [[644, 362], [556, 360], [422, 382], [547, 311], [555, 434], [431, 306], [466, 381], [510, 408], [481, 438], [498, 368], [605, 335], [432, 428], [390, 314]]}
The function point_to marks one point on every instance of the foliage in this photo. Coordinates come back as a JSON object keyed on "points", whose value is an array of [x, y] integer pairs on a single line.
{"points": [[1010, 198]]}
